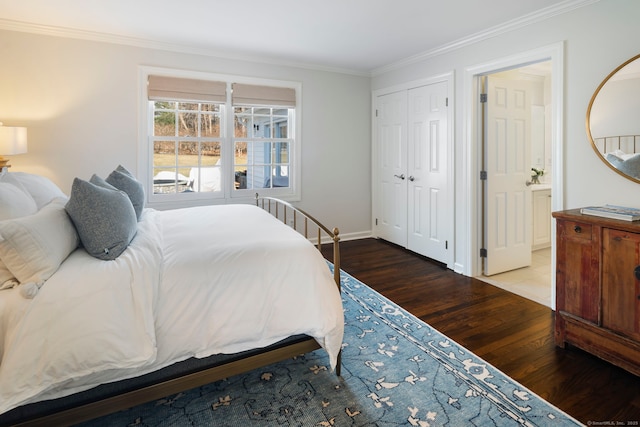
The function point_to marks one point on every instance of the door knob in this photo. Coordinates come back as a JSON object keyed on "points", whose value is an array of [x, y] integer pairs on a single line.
{"points": [[411, 178], [399, 176]]}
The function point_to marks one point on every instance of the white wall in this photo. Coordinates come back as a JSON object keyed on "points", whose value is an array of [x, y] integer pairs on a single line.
{"points": [[617, 109], [79, 101], [597, 38]]}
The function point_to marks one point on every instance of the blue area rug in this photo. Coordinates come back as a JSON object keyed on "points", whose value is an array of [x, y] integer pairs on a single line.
{"points": [[396, 370]]}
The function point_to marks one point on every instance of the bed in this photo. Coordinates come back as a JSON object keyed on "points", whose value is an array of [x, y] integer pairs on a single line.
{"points": [[196, 295]]}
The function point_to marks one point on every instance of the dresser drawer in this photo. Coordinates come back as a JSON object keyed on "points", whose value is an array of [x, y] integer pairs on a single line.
{"points": [[575, 230]]}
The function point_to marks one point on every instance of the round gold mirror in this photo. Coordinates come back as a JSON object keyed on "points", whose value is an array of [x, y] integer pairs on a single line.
{"points": [[613, 120]]}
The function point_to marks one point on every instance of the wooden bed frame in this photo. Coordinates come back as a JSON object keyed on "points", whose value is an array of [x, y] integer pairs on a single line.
{"points": [[288, 214]]}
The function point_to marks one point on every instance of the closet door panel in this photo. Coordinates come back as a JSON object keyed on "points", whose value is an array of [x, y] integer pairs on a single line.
{"points": [[428, 182], [391, 185]]}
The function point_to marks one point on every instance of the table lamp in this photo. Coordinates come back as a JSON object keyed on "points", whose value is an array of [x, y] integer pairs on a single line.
{"points": [[13, 140]]}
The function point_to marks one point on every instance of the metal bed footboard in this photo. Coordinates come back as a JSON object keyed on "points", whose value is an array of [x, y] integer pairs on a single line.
{"points": [[304, 224]]}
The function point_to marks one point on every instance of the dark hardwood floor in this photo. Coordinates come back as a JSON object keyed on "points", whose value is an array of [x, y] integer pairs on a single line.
{"points": [[511, 332]]}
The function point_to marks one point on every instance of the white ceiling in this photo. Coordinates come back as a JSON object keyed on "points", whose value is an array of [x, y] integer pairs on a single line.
{"points": [[358, 36]]}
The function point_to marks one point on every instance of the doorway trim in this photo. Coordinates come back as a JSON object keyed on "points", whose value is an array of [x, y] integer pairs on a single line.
{"points": [[472, 158]]}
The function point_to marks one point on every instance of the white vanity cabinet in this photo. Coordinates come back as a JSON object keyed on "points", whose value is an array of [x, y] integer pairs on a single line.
{"points": [[541, 195]]}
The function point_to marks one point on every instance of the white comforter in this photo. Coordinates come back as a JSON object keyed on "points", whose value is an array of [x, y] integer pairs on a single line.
{"points": [[193, 282]]}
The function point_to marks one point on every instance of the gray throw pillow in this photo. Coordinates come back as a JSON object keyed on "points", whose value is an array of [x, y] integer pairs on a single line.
{"points": [[631, 166], [123, 180], [95, 179], [104, 218], [614, 160]]}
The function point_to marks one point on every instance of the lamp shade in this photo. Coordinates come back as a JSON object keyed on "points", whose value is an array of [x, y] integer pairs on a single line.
{"points": [[13, 140]]}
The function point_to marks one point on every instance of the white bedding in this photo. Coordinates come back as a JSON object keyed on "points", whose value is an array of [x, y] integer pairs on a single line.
{"points": [[263, 292], [193, 282]]}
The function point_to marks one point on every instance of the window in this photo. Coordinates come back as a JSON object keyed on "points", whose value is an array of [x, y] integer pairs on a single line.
{"points": [[214, 139], [186, 146], [262, 147], [262, 117]]}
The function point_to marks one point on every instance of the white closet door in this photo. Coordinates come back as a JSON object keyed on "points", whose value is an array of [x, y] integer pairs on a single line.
{"points": [[427, 171], [391, 212], [508, 166]]}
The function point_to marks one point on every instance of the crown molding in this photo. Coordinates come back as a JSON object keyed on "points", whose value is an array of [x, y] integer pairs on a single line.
{"points": [[54, 31], [514, 24]]}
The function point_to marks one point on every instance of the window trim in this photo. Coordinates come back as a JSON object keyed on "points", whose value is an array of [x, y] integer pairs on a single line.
{"points": [[228, 194]]}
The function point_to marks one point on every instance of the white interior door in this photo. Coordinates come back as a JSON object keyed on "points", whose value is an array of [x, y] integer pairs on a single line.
{"points": [[508, 165], [427, 171], [391, 216]]}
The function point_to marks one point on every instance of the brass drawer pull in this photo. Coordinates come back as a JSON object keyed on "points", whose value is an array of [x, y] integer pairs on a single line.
{"points": [[577, 229]]}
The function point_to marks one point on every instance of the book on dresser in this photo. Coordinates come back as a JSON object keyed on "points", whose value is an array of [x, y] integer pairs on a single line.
{"points": [[614, 212]]}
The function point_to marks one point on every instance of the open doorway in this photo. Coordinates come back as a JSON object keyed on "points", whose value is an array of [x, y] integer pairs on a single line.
{"points": [[517, 205], [552, 55]]}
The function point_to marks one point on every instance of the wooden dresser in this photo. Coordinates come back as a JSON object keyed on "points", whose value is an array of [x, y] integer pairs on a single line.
{"points": [[598, 287]]}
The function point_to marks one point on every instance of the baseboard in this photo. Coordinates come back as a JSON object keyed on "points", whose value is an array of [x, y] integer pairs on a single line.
{"points": [[356, 236]]}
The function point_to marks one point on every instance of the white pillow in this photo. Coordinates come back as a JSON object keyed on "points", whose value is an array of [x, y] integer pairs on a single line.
{"points": [[14, 202], [621, 154], [41, 188], [11, 179], [33, 247]]}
